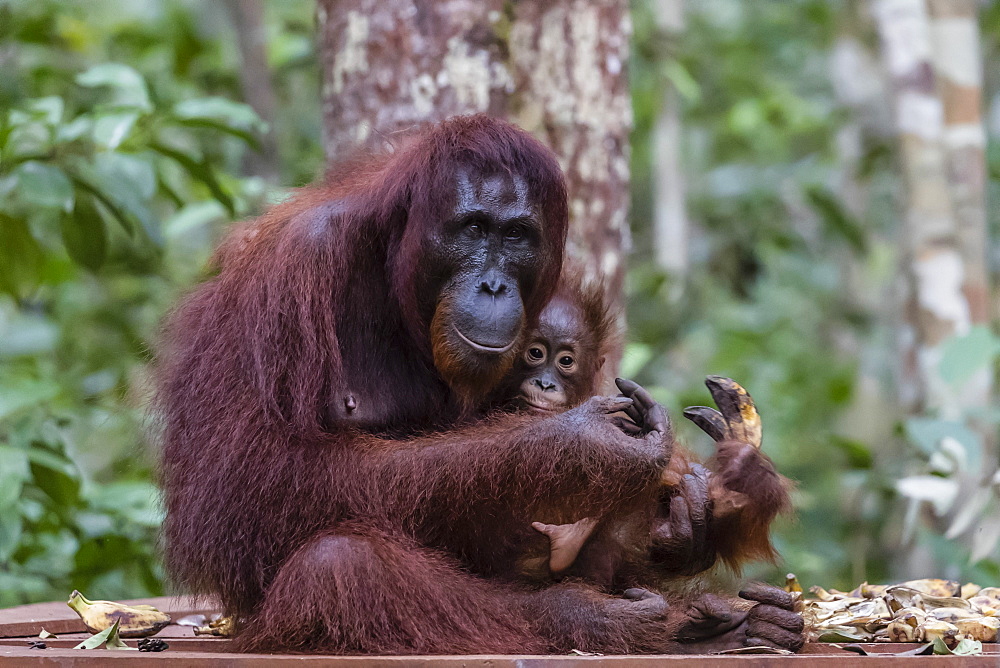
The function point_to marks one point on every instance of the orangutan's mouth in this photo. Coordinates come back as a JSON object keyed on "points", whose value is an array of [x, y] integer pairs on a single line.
{"points": [[543, 407], [492, 350]]}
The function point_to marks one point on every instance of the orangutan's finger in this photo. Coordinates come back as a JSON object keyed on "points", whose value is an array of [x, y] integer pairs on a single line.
{"points": [[776, 634], [715, 607], [763, 593], [786, 619], [609, 405], [709, 421], [627, 426]]}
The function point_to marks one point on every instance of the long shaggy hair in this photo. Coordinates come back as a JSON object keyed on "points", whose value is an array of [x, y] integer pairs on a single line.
{"points": [[320, 293]]}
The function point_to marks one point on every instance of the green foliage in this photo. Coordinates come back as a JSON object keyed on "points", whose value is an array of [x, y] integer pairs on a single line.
{"points": [[787, 291], [121, 149]]}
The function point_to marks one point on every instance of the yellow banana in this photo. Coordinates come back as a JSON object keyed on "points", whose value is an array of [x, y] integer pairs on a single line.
{"points": [[134, 621], [737, 418]]}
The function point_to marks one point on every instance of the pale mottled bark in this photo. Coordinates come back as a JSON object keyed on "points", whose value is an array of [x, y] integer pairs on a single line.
{"points": [[670, 222], [931, 52], [959, 71], [568, 58], [556, 68]]}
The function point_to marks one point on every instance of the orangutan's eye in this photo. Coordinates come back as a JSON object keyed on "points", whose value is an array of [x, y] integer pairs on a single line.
{"points": [[515, 233], [535, 354], [566, 361]]}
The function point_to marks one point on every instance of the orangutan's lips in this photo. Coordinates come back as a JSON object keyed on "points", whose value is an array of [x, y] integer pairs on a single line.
{"points": [[493, 350], [545, 408]]}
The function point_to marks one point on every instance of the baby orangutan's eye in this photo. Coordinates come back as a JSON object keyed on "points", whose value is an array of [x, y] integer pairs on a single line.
{"points": [[535, 354], [566, 361]]}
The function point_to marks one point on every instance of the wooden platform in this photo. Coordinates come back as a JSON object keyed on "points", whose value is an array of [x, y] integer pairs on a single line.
{"points": [[22, 624]]}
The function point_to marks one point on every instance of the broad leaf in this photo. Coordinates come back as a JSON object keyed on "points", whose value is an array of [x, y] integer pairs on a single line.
{"points": [[127, 85], [927, 434], [233, 114], [19, 394], [201, 171], [13, 472], [83, 233], [11, 528], [110, 130], [939, 492], [44, 185], [963, 356]]}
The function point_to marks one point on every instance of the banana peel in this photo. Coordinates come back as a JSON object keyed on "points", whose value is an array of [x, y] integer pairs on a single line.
{"points": [[221, 627], [737, 418], [134, 621], [926, 610]]}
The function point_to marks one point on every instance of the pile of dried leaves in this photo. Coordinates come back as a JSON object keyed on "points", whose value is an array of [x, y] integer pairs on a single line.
{"points": [[913, 611]]}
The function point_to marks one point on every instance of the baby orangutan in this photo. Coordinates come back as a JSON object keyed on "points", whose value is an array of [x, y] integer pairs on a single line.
{"points": [[707, 515]]}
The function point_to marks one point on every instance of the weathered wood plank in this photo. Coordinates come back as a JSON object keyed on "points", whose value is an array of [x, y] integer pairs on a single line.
{"points": [[11, 657]]}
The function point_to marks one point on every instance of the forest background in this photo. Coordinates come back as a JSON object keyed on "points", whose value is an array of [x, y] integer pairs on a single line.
{"points": [[781, 189]]}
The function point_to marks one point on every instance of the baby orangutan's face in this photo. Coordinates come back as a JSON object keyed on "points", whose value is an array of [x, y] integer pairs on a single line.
{"points": [[558, 365]]}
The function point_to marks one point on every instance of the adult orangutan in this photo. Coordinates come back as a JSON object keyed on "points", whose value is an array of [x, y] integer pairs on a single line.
{"points": [[319, 471]]}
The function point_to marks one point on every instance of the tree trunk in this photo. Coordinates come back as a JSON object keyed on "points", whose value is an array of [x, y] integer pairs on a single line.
{"points": [[255, 80], [670, 222], [931, 51], [554, 67]]}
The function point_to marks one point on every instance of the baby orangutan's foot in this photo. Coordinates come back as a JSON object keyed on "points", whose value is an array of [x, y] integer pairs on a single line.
{"points": [[565, 541]]}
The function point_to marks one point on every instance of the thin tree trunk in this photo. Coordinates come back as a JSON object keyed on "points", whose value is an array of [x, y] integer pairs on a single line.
{"points": [[556, 68], [959, 72], [670, 222], [931, 51], [933, 65], [255, 80]]}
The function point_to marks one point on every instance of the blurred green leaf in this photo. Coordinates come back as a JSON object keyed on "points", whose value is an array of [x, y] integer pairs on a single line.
{"points": [[11, 527], [137, 500], [110, 130], [635, 357], [83, 233], [682, 80], [49, 109], [44, 185], [858, 454], [964, 356], [13, 472], [121, 182], [193, 216], [57, 477], [128, 86], [927, 433], [19, 394], [234, 115], [20, 257], [202, 171], [836, 218], [965, 647]]}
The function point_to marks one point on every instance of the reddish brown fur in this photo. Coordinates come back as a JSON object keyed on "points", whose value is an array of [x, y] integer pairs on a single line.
{"points": [[392, 535], [747, 482], [319, 537], [603, 325], [745, 492]]}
